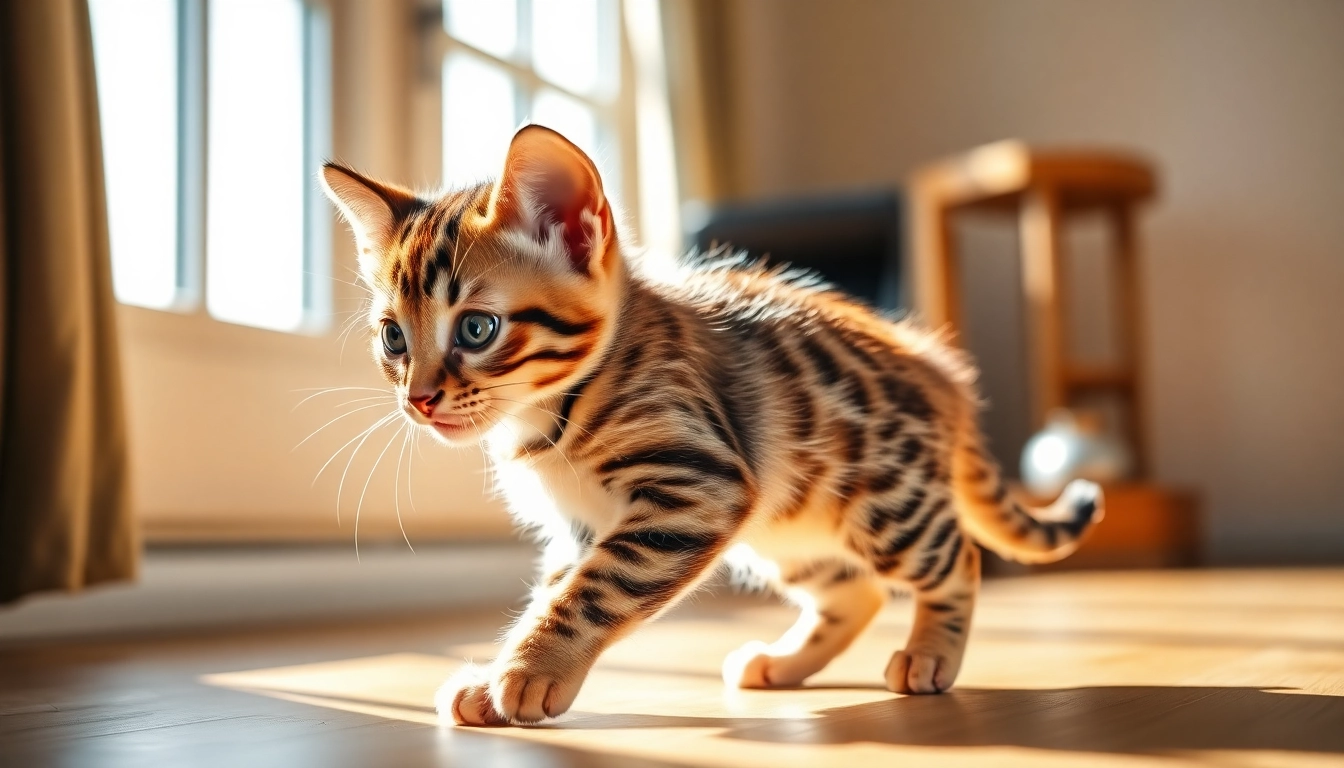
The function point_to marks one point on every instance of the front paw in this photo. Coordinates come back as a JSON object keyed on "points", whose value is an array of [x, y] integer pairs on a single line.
{"points": [[530, 693], [465, 698]]}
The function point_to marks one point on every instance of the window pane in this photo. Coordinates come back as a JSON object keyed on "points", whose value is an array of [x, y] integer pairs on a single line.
{"points": [[135, 54], [479, 118], [491, 25], [257, 180], [578, 123], [566, 43]]}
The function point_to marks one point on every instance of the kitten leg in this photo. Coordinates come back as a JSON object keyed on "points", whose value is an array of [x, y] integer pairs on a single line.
{"points": [[840, 606], [944, 601], [635, 572], [465, 696]]}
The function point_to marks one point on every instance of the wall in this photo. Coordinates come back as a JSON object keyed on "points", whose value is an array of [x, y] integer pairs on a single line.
{"points": [[1242, 105]]}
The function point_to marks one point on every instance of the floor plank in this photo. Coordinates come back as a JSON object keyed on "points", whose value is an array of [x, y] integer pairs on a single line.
{"points": [[1240, 668]]}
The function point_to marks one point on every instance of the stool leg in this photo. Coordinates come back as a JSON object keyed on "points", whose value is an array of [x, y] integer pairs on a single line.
{"points": [[1130, 327], [1042, 280], [936, 283]]}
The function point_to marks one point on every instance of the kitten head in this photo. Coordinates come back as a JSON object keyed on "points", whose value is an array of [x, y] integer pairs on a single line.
{"points": [[490, 299]]}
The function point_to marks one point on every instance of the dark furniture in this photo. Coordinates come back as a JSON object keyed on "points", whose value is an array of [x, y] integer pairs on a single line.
{"points": [[853, 240]]}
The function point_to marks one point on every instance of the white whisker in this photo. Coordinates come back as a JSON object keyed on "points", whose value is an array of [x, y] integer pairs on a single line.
{"points": [[333, 421], [367, 433], [410, 462], [372, 470], [396, 487]]}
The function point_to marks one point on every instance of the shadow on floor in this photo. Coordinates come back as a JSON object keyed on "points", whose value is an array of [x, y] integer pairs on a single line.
{"points": [[1124, 719]]}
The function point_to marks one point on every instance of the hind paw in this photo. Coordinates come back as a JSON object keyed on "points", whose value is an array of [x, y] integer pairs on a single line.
{"points": [[917, 671]]}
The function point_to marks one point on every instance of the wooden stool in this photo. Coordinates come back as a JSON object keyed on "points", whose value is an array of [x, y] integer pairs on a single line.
{"points": [[1041, 188], [1146, 525]]}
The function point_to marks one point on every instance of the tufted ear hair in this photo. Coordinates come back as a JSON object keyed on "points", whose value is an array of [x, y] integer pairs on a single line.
{"points": [[551, 191], [373, 209]]}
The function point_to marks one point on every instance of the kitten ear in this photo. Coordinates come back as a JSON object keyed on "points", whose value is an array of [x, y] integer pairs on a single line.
{"points": [[551, 190], [373, 209]]}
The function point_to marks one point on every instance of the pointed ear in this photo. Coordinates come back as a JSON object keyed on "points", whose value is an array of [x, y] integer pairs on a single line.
{"points": [[551, 190], [373, 209]]}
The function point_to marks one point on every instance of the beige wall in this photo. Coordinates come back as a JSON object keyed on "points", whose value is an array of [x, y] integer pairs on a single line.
{"points": [[1242, 104]]}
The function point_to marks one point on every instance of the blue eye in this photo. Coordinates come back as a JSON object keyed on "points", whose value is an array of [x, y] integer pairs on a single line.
{"points": [[476, 329], [394, 341]]}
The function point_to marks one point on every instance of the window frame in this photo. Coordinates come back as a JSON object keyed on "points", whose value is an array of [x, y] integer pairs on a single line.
{"points": [[614, 111], [189, 304], [211, 404]]}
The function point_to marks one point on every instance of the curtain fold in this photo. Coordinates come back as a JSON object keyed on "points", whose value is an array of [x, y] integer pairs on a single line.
{"points": [[65, 513]]}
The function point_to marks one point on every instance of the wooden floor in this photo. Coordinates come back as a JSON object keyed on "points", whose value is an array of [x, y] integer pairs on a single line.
{"points": [[1239, 668]]}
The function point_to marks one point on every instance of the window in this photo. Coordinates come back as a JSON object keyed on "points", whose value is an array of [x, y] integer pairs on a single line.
{"points": [[212, 128], [509, 62], [216, 115]]}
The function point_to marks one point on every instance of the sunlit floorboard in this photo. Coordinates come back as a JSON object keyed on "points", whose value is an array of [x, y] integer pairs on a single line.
{"points": [[1242, 668]]}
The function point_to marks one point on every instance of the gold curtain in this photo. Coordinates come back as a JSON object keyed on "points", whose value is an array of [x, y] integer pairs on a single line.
{"points": [[696, 34], [65, 515]]}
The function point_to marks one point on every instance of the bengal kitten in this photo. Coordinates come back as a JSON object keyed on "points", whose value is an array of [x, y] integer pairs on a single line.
{"points": [[650, 427]]}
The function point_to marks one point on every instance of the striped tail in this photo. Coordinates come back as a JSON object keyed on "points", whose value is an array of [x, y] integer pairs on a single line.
{"points": [[1013, 530]]}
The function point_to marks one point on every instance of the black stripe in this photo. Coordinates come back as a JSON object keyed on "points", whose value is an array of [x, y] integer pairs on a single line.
{"points": [[454, 224], [907, 397], [858, 395], [925, 567], [636, 588], [623, 552], [430, 276], [822, 361], [1082, 516], [668, 542], [887, 479], [631, 357], [539, 316], [1051, 534], [564, 630], [943, 532], [780, 359], [910, 450], [567, 407], [804, 414], [951, 563], [909, 536], [690, 458], [879, 517], [738, 429], [659, 497], [509, 366], [593, 612]]}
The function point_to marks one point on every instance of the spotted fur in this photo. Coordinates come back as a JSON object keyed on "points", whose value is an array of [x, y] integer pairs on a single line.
{"points": [[651, 426]]}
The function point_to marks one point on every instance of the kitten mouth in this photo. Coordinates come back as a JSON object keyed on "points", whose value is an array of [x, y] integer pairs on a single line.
{"points": [[455, 426]]}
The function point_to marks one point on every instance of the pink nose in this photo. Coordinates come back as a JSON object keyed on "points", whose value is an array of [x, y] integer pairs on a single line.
{"points": [[425, 403]]}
